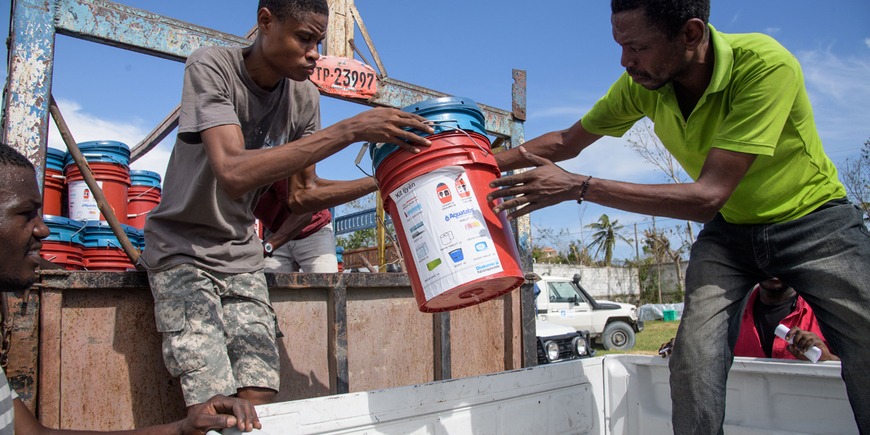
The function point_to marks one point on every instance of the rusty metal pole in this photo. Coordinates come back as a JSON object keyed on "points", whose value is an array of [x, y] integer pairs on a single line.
{"points": [[102, 204]]}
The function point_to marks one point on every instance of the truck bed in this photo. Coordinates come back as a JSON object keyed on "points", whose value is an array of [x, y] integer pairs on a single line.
{"points": [[614, 394]]}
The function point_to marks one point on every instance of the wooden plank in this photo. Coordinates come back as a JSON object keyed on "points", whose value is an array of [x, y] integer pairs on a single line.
{"points": [[49, 357]]}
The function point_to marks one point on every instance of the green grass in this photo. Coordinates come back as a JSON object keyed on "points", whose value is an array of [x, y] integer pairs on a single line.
{"points": [[655, 332]]}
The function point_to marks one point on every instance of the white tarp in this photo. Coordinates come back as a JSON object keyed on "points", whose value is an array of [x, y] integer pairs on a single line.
{"points": [[656, 311]]}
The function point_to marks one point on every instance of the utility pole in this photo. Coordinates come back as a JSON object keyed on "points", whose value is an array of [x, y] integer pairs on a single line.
{"points": [[637, 257], [658, 260]]}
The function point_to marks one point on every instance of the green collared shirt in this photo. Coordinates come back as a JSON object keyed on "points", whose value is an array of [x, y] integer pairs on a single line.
{"points": [[756, 103]]}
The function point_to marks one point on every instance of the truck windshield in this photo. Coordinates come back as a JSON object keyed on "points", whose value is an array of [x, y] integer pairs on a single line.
{"points": [[564, 292]]}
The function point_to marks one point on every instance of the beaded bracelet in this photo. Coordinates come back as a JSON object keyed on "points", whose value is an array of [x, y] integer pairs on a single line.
{"points": [[583, 193]]}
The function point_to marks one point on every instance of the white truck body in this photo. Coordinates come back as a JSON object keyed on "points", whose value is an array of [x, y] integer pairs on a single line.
{"points": [[610, 395], [561, 300]]}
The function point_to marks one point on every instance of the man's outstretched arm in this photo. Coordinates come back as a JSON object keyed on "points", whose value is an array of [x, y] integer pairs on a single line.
{"points": [[699, 201]]}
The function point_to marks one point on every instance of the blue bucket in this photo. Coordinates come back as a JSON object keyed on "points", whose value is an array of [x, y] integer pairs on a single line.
{"points": [[145, 178], [54, 159], [106, 151], [98, 234], [448, 113], [64, 229]]}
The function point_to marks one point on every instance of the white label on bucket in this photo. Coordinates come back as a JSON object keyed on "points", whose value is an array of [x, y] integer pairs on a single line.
{"points": [[82, 204], [446, 231]]}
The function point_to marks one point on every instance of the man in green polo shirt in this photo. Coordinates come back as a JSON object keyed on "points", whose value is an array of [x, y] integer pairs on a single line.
{"points": [[733, 110]]}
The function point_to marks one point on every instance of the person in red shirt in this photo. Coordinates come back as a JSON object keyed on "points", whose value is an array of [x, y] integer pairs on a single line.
{"points": [[771, 303], [299, 234]]}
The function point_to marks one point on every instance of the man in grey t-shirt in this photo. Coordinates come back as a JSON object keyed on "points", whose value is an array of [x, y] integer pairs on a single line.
{"points": [[249, 117]]}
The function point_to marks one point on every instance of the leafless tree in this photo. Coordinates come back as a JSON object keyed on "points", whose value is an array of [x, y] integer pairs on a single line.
{"points": [[643, 140], [855, 174]]}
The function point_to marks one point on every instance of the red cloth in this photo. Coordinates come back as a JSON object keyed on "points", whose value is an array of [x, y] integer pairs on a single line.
{"points": [[748, 344], [272, 211]]}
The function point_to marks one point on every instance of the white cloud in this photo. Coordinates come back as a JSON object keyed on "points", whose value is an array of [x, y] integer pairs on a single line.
{"points": [[772, 30], [87, 127], [735, 18], [867, 41], [574, 112], [839, 91], [843, 79]]}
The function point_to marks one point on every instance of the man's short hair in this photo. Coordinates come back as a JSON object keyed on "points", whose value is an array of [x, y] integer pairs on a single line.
{"points": [[296, 9], [11, 157], [669, 15]]}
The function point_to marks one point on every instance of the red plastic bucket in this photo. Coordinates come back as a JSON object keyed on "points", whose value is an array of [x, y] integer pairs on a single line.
{"points": [[107, 259], [52, 201], [66, 254], [458, 253], [140, 201], [114, 180]]}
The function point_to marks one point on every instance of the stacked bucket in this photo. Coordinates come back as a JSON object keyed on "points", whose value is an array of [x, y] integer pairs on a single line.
{"points": [[143, 196], [80, 236], [458, 253]]}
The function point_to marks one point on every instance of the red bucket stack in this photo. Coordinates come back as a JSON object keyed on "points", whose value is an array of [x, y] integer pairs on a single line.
{"points": [[144, 194]]}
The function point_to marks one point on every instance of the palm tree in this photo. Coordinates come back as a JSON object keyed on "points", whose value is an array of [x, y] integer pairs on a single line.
{"points": [[605, 237]]}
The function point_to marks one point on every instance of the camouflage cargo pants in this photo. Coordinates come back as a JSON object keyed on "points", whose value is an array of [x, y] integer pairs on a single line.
{"points": [[218, 330]]}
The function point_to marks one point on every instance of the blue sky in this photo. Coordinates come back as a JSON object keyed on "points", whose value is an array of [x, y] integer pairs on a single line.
{"points": [[468, 48]]}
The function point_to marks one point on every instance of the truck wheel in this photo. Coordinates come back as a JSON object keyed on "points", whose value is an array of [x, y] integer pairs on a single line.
{"points": [[618, 336]]}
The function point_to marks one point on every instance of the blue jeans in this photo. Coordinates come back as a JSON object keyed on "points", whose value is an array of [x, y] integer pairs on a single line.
{"points": [[824, 255]]}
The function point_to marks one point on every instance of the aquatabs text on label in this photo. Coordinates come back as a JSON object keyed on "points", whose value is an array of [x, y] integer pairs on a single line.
{"points": [[345, 77]]}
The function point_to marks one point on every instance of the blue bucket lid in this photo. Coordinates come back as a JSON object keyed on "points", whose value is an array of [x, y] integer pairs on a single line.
{"points": [[54, 159], [64, 229], [141, 239], [107, 151], [451, 113], [145, 178], [98, 234]]}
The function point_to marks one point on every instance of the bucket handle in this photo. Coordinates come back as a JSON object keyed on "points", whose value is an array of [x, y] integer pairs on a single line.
{"points": [[441, 124], [359, 157], [129, 216], [140, 195], [114, 159], [80, 230]]}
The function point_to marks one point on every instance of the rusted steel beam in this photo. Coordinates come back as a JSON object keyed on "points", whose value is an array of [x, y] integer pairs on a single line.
{"points": [[522, 228], [365, 33], [66, 279], [25, 108], [339, 372], [137, 30], [519, 95], [441, 346], [158, 134]]}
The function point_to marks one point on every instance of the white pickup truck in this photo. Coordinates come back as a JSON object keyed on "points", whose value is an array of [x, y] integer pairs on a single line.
{"points": [[564, 301], [609, 395]]}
